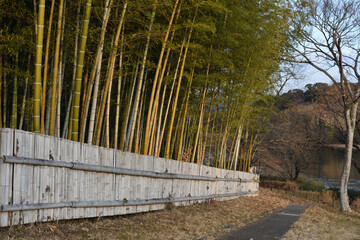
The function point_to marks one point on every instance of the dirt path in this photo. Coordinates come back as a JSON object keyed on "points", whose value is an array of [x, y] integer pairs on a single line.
{"points": [[273, 226]]}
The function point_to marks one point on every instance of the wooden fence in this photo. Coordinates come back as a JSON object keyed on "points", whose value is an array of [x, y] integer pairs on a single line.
{"points": [[44, 178]]}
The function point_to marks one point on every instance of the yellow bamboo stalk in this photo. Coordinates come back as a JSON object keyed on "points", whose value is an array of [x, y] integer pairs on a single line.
{"points": [[43, 96], [180, 143], [109, 79], [168, 142], [56, 70], [117, 115], [158, 68], [38, 61], [170, 97]]}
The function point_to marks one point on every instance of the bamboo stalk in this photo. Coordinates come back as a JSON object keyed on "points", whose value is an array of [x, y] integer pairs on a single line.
{"points": [[158, 68], [56, 71], [43, 96], [124, 126], [117, 114], [69, 109], [38, 61], [159, 122], [79, 71], [95, 75], [1, 71], [168, 142], [134, 112], [207, 128], [170, 97], [109, 78], [137, 140], [24, 97], [13, 123], [180, 143], [5, 122], [61, 76]]}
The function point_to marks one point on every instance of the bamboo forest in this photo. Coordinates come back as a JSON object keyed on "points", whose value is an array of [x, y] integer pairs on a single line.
{"points": [[189, 80]]}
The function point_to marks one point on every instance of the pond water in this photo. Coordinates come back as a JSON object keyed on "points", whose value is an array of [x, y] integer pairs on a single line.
{"points": [[327, 165]]}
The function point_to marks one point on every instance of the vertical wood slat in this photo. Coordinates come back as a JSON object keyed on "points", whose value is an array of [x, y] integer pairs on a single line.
{"points": [[6, 147]]}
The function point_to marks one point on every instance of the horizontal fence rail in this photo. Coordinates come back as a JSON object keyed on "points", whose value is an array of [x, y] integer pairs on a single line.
{"points": [[44, 178], [116, 203], [114, 170]]}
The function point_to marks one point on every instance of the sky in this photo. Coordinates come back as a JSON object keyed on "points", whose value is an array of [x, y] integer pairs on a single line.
{"points": [[310, 75]]}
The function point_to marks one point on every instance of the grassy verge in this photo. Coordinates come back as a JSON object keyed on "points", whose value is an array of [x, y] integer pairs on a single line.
{"points": [[322, 220]]}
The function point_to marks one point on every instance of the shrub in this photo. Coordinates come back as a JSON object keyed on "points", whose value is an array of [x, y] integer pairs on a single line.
{"points": [[309, 184], [271, 177], [287, 186]]}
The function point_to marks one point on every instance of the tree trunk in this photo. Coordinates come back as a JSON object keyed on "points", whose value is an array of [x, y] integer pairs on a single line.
{"points": [[38, 61], [350, 118]]}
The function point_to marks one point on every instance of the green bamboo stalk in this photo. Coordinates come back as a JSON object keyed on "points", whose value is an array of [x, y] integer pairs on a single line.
{"points": [[68, 123], [79, 71]]}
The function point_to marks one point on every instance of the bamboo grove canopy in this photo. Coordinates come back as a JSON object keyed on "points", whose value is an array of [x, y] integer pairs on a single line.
{"points": [[188, 80]]}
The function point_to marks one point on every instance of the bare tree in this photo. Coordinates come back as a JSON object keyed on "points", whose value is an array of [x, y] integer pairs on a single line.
{"points": [[288, 143], [331, 45]]}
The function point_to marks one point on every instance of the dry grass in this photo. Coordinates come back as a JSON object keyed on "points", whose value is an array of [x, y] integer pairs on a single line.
{"points": [[206, 220], [322, 220]]}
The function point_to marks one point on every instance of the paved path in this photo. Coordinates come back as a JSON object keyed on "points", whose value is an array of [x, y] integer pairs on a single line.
{"points": [[273, 226]]}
